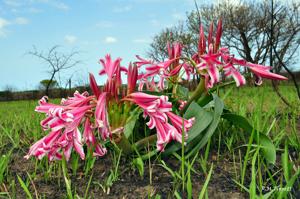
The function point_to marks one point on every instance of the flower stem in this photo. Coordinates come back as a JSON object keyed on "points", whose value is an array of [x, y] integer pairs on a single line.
{"points": [[144, 142], [125, 145], [196, 94]]}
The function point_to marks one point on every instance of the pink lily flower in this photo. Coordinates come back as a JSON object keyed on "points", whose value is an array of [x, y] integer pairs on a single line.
{"points": [[68, 141], [174, 50], [88, 135], [218, 35], [132, 77], [210, 64], [179, 123], [77, 99], [150, 103], [158, 109], [101, 117], [163, 130], [202, 42], [142, 62], [90, 139], [231, 71], [43, 146], [210, 34], [94, 86], [263, 71], [158, 69], [99, 150], [62, 118], [142, 82], [44, 106], [259, 70], [110, 67], [78, 113], [52, 143], [77, 143], [182, 104]]}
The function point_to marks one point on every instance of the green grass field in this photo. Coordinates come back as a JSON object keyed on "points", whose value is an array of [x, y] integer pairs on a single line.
{"points": [[230, 159]]}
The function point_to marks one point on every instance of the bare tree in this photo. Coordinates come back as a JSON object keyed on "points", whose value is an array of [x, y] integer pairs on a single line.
{"points": [[280, 55], [8, 92], [247, 26], [44, 83], [56, 62]]}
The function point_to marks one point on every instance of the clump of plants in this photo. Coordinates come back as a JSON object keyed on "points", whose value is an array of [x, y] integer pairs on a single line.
{"points": [[154, 97]]}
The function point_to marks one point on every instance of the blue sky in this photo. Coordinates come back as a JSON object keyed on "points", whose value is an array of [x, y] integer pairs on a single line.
{"points": [[123, 28]]}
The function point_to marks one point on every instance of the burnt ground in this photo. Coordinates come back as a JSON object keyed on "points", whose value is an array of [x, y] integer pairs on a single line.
{"points": [[129, 184]]}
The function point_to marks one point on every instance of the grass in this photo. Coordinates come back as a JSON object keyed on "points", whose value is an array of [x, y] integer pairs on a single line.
{"points": [[251, 175]]}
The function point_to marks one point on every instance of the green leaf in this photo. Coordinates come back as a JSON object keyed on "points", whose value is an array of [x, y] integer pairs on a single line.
{"points": [[285, 163], [24, 187], [139, 164], [182, 92], [289, 185], [189, 184], [4, 161], [130, 122], [252, 188], [204, 188], [202, 120], [204, 100], [268, 148], [201, 141]]}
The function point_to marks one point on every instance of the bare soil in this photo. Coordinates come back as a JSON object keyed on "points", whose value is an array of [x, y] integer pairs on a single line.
{"points": [[129, 184]]}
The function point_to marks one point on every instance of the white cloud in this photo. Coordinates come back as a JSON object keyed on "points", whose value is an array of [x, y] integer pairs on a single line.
{"points": [[70, 39], [110, 40], [122, 9], [34, 10], [27, 5], [178, 16], [12, 3], [104, 24], [3, 24], [61, 6], [154, 22], [21, 21], [142, 41]]}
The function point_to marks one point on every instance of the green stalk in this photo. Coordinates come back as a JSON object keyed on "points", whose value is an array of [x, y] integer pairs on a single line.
{"points": [[196, 94], [145, 141], [125, 145], [182, 160]]}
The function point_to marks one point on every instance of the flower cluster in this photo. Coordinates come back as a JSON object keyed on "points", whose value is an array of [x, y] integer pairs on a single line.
{"points": [[158, 109], [209, 61], [63, 121], [103, 115]]}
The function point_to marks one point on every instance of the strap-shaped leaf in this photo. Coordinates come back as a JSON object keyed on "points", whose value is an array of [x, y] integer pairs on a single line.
{"points": [[130, 122], [201, 141], [268, 148], [202, 119]]}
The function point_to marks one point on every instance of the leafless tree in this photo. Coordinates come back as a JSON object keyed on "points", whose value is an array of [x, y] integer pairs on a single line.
{"points": [[280, 55], [56, 61], [246, 28], [264, 32], [8, 91]]}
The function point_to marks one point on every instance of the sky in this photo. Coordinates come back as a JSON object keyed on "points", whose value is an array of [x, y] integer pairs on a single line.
{"points": [[123, 28]]}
